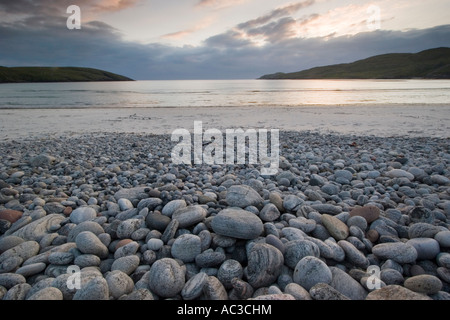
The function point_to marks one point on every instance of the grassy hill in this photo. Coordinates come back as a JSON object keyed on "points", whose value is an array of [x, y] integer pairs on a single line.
{"points": [[428, 64], [56, 74]]}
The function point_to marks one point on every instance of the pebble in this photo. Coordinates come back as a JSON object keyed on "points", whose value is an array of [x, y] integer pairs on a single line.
{"points": [[353, 255], [18, 292], [425, 283], [87, 242], [35, 230], [264, 265], [423, 230], [95, 289], [166, 278], [395, 292], [323, 291], [269, 213], [82, 214], [24, 250], [9, 280], [229, 270], [237, 223], [193, 288], [399, 173], [337, 229], [391, 276], [186, 247], [370, 213], [397, 251], [421, 214], [298, 249], [87, 260], [173, 206], [31, 269], [126, 264], [345, 284], [125, 204], [189, 216], [49, 293], [427, 248], [155, 244], [243, 196], [119, 284], [443, 260], [310, 271], [442, 237], [10, 215], [9, 242], [214, 289]]}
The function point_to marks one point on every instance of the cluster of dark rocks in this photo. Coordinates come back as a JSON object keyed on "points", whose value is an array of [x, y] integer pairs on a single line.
{"points": [[109, 216]]}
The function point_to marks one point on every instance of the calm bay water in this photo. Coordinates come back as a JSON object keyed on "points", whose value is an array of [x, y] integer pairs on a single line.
{"points": [[229, 93]]}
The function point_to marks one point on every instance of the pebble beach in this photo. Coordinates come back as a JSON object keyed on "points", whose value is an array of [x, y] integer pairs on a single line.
{"points": [[108, 216]]}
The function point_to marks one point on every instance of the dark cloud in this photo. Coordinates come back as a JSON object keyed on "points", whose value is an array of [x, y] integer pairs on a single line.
{"points": [[232, 54], [275, 14]]}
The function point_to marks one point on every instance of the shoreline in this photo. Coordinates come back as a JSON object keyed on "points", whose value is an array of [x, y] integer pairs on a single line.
{"points": [[382, 121]]}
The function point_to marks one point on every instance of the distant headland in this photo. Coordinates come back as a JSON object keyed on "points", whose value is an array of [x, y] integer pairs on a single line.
{"points": [[56, 74], [428, 64]]}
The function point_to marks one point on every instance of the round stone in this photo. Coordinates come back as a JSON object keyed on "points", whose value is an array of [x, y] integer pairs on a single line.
{"points": [[353, 255], [243, 196], [173, 206], [269, 213], [82, 214], [298, 249], [229, 270], [335, 227], [424, 283], [345, 284], [126, 264], [193, 288], [443, 237], [166, 278], [310, 271], [399, 173], [87, 242], [395, 292], [154, 244], [157, 221], [10, 215], [95, 289], [397, 251], [119, 284], [264, 265], [189, 216], [186, 247], [49, 293], [369, 212], [427, 248], [237, 223], [124, 204]]}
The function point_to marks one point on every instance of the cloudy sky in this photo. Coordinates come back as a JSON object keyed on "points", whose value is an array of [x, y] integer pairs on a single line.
{"points": [[215, 39]]}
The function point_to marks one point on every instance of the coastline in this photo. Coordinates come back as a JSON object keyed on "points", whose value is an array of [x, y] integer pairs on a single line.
{"points": [[383, 121]]}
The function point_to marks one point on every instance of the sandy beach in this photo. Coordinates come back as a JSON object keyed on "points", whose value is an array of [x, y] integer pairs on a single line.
{"points": [[383, 121]]}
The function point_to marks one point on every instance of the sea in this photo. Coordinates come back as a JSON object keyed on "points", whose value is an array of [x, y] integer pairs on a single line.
{"points": [[223, 93]]}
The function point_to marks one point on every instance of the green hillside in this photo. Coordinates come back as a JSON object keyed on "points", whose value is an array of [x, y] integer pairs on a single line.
{"points": [[428, 64], [56, 74]]}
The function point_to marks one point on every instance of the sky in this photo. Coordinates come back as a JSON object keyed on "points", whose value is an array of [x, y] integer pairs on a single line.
{"points": [[215, 39]]}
